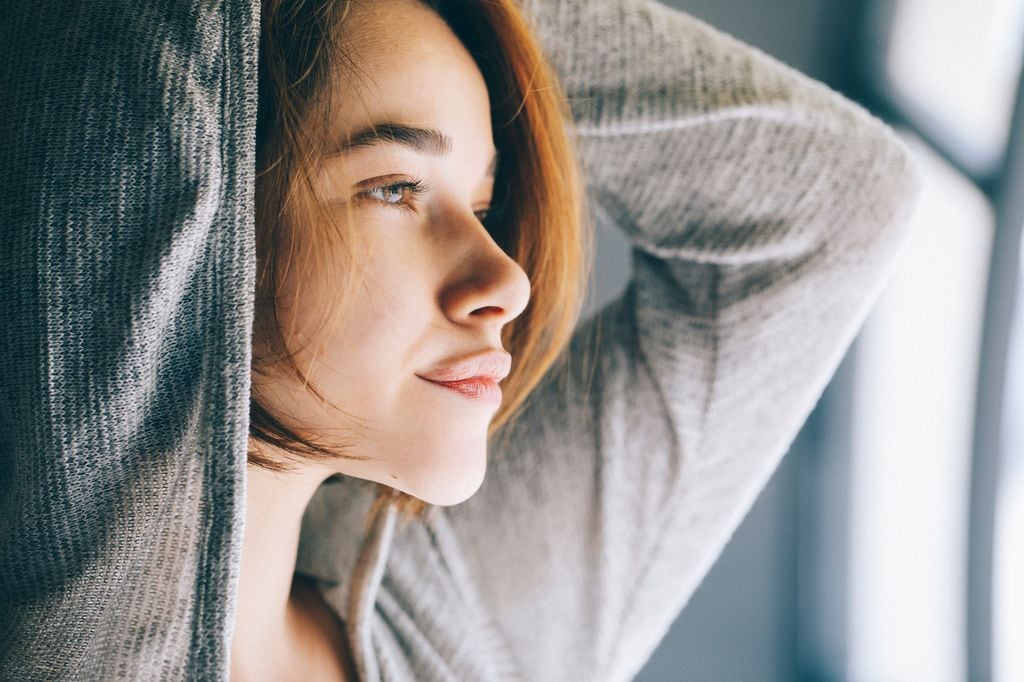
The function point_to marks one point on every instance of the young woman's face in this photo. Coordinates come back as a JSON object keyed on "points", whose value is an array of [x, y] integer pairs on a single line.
{"points": [[437, 287]]}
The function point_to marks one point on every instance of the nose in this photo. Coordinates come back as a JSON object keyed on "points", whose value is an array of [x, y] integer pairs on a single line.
{"points": [[484, 285]]}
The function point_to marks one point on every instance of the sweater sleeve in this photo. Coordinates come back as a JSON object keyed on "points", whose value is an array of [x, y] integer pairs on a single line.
{"points": [[765, 212], [126, 274]]}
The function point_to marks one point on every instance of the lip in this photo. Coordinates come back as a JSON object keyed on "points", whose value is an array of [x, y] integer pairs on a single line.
{"points": [[473, 376], [490, 365], [479, 389]]}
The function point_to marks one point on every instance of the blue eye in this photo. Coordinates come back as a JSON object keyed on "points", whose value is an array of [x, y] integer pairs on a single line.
{"points": [[402, 195], [396, 194]]}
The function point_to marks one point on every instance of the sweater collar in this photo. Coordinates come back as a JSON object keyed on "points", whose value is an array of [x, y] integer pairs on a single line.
{"points": [[347, 531]]}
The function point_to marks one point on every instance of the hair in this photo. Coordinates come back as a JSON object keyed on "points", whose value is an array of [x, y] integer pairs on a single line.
{"points": [[540, 221]]}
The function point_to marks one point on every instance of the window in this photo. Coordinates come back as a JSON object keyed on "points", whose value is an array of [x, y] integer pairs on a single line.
{"points": [[1008, 587], [937, 497], [910, 459], [953, 66]]}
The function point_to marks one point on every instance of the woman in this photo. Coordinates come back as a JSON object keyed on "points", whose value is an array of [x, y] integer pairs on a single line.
{"points": [[402, 194]]}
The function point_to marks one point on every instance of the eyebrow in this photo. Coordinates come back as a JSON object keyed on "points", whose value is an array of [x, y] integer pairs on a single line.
{"points": [[422, 140]]}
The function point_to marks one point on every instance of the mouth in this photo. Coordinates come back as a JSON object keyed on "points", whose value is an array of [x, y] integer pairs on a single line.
{"points": [[479, 389]]}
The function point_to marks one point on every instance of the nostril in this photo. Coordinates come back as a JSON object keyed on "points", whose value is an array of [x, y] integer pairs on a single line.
{"points": [[485, 308]]}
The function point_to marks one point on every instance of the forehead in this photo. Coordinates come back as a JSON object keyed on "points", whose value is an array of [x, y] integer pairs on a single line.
{"points": [[403, 63]]}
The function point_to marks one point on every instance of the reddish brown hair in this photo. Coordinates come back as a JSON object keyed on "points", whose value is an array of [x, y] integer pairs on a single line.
{"points": [[538, 190]]}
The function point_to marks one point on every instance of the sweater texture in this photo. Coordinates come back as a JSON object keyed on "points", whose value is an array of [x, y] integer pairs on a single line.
{"points": [[765, 213]]}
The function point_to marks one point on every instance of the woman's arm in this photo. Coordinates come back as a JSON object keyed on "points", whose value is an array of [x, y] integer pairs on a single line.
{"points": [[126, 279], [765, 213]]}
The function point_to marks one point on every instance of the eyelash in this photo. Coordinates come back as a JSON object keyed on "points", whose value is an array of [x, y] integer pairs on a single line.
{"points": [[416, 187]]}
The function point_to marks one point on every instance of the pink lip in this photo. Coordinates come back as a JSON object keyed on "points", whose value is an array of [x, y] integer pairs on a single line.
{"points": [[491, 364], [477, 388]]}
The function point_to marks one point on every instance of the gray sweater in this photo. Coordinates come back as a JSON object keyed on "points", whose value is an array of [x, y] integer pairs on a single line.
{"points": [[765, 213]]}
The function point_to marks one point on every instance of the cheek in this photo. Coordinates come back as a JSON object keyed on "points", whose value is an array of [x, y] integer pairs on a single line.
{"points": [[391, 310], [381, 311], [383, 339]]}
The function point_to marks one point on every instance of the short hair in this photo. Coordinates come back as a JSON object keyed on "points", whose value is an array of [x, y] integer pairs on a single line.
{"points": [[540, 222]]}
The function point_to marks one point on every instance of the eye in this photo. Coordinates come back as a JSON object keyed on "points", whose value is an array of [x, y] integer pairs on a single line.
{"points": [[398, 195], [390, 194], [402, 195]]}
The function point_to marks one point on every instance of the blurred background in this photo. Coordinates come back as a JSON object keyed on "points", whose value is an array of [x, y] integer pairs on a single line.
{"points": [[889, 544]]}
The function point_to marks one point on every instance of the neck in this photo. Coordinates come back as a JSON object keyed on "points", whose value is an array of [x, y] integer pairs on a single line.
{"points": [[266, 612]]}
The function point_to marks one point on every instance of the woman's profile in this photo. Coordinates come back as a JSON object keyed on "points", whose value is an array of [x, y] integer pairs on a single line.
{"points": [[301, 388]]}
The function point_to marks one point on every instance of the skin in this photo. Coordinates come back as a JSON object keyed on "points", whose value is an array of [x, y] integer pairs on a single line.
{"points": [[437, 287]]}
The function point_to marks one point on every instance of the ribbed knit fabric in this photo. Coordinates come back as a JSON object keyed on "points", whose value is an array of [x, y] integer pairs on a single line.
{"points": [[126, 279], [765, 212]]}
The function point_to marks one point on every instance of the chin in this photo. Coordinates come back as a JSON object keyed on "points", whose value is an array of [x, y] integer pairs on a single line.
{"points": [[449, 486]]}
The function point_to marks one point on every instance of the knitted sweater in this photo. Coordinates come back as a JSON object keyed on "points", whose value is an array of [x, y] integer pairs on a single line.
{"points": [[765, 213]]}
